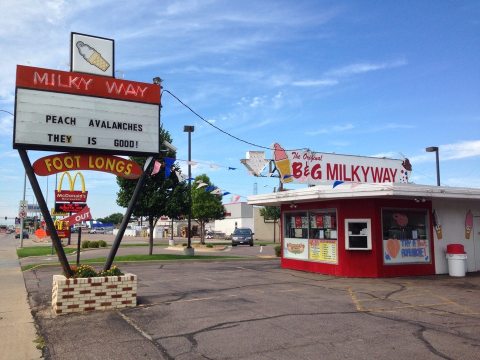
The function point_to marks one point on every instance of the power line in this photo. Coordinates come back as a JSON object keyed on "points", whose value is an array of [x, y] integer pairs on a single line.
{"points": [[219, 129]]}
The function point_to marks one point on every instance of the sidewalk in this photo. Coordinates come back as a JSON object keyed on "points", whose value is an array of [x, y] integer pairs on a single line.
{"points": [[17, 329]]}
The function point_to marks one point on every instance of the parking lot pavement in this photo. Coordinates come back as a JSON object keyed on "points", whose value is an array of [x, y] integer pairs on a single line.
{"points": [[256, 310]]}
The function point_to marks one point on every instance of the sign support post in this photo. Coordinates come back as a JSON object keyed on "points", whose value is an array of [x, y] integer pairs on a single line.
{"points": [[128, 214], [46, 214], [78, 245]]}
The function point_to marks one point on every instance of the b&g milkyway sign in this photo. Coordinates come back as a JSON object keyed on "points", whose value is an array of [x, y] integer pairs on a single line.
{"points": [[316, 168]]}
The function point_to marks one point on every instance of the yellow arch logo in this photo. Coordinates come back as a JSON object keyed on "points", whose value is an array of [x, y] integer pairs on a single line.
{"points": [[71, 181]]}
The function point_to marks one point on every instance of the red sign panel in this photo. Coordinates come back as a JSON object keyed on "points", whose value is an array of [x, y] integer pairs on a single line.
{"points": [[70, 196], [61, 233], [69, 208], [86, 84], [116, 165], [83, 215]]}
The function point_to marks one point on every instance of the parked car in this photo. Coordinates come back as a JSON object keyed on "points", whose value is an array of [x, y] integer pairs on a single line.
{"points": [[99, 230], [25, 235], [242, 236]]}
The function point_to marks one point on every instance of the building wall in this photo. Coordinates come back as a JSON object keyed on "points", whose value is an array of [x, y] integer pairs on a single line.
{"points": [[361, 263], [265, 231], [239, 214], [451, 215]]}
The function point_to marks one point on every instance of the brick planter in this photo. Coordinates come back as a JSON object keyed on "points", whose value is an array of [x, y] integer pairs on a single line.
{"points": [[97, 293]]}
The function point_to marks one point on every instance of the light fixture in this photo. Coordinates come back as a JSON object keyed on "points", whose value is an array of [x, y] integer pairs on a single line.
{"points": [[293, 206], [435, 150], [157, 80]]}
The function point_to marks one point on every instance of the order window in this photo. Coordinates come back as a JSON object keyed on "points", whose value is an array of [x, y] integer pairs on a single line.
{"points": [[358, 234], [311, 235]]}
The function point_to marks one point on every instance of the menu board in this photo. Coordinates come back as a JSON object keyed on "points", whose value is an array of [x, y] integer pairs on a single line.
{"points": [[322, 250]]}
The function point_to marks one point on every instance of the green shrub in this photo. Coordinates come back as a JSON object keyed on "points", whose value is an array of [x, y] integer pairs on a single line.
{"points": [[102, 243], [209, 245], [278, 250], [85, 271], [94, 244], [85, 244], [113, 271]]}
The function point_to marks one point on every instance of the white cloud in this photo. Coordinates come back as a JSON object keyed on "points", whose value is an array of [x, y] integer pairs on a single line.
{"points": [[361, 68], [388, 155], [256, 102], [456, 151], [331, 129], [461, 150], [315, 83]]}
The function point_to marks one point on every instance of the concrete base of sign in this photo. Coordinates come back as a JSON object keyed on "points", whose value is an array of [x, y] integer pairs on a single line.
{"points": [[171, 242], [189, 251]]}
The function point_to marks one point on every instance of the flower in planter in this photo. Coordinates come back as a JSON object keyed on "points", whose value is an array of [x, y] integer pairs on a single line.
{"points": [[85, 271], [113, 271]]}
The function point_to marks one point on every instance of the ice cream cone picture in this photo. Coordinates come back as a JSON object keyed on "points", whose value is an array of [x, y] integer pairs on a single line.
{"points": [[437, 226], [468, 224], [92, 56], [282, 163], [393, 247]]}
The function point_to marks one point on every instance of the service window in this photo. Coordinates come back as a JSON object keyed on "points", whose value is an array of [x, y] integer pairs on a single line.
{"points": [[405, 236], [311, 235], [358, 234]]}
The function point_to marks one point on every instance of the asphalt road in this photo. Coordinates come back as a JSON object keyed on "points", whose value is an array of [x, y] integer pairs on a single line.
{"points": [[253, 309]]}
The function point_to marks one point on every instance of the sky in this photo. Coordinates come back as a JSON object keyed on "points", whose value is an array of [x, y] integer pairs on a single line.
{"points": [[368, 78]]}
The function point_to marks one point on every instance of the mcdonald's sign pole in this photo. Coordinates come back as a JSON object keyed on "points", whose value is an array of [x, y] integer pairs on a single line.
{"points": [[46, 214]]}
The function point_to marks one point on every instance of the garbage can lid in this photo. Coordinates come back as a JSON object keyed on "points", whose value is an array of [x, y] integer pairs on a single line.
{"points": [[455, 249]]}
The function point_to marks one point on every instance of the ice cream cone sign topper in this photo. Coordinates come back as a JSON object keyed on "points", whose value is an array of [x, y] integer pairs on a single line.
{"points": [[437, 225], [282, 163], [92, 55], [468, 224]]}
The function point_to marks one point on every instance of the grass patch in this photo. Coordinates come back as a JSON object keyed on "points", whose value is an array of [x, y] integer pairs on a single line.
{"points": [[143, 244], [40, 343], [132, 258], [125, 258], [40, 251]]}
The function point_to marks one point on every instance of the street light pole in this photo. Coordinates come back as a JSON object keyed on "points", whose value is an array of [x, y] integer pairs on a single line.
{"points": [[435, 150], [21, 219], [189, 129]]}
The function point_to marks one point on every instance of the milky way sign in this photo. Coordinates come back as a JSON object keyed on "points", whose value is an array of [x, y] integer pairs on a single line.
{"points": [[66, 111]]}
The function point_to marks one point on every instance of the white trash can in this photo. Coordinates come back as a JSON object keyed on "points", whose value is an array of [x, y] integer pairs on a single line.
{"points": [[457, 263]]}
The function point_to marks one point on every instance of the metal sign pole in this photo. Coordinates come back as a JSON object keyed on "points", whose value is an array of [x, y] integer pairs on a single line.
{"points": [[46, 214], [78, 245], [128, 214]]}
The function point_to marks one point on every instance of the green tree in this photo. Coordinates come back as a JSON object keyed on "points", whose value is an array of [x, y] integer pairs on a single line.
{"points": [[160, 195], [115, 218], [205, 205], [271, 214]]}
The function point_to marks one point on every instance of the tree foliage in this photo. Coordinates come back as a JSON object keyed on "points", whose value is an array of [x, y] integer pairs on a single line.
{"points": [[160, 195], [271, 213], [205, 205], [115, 218]]}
